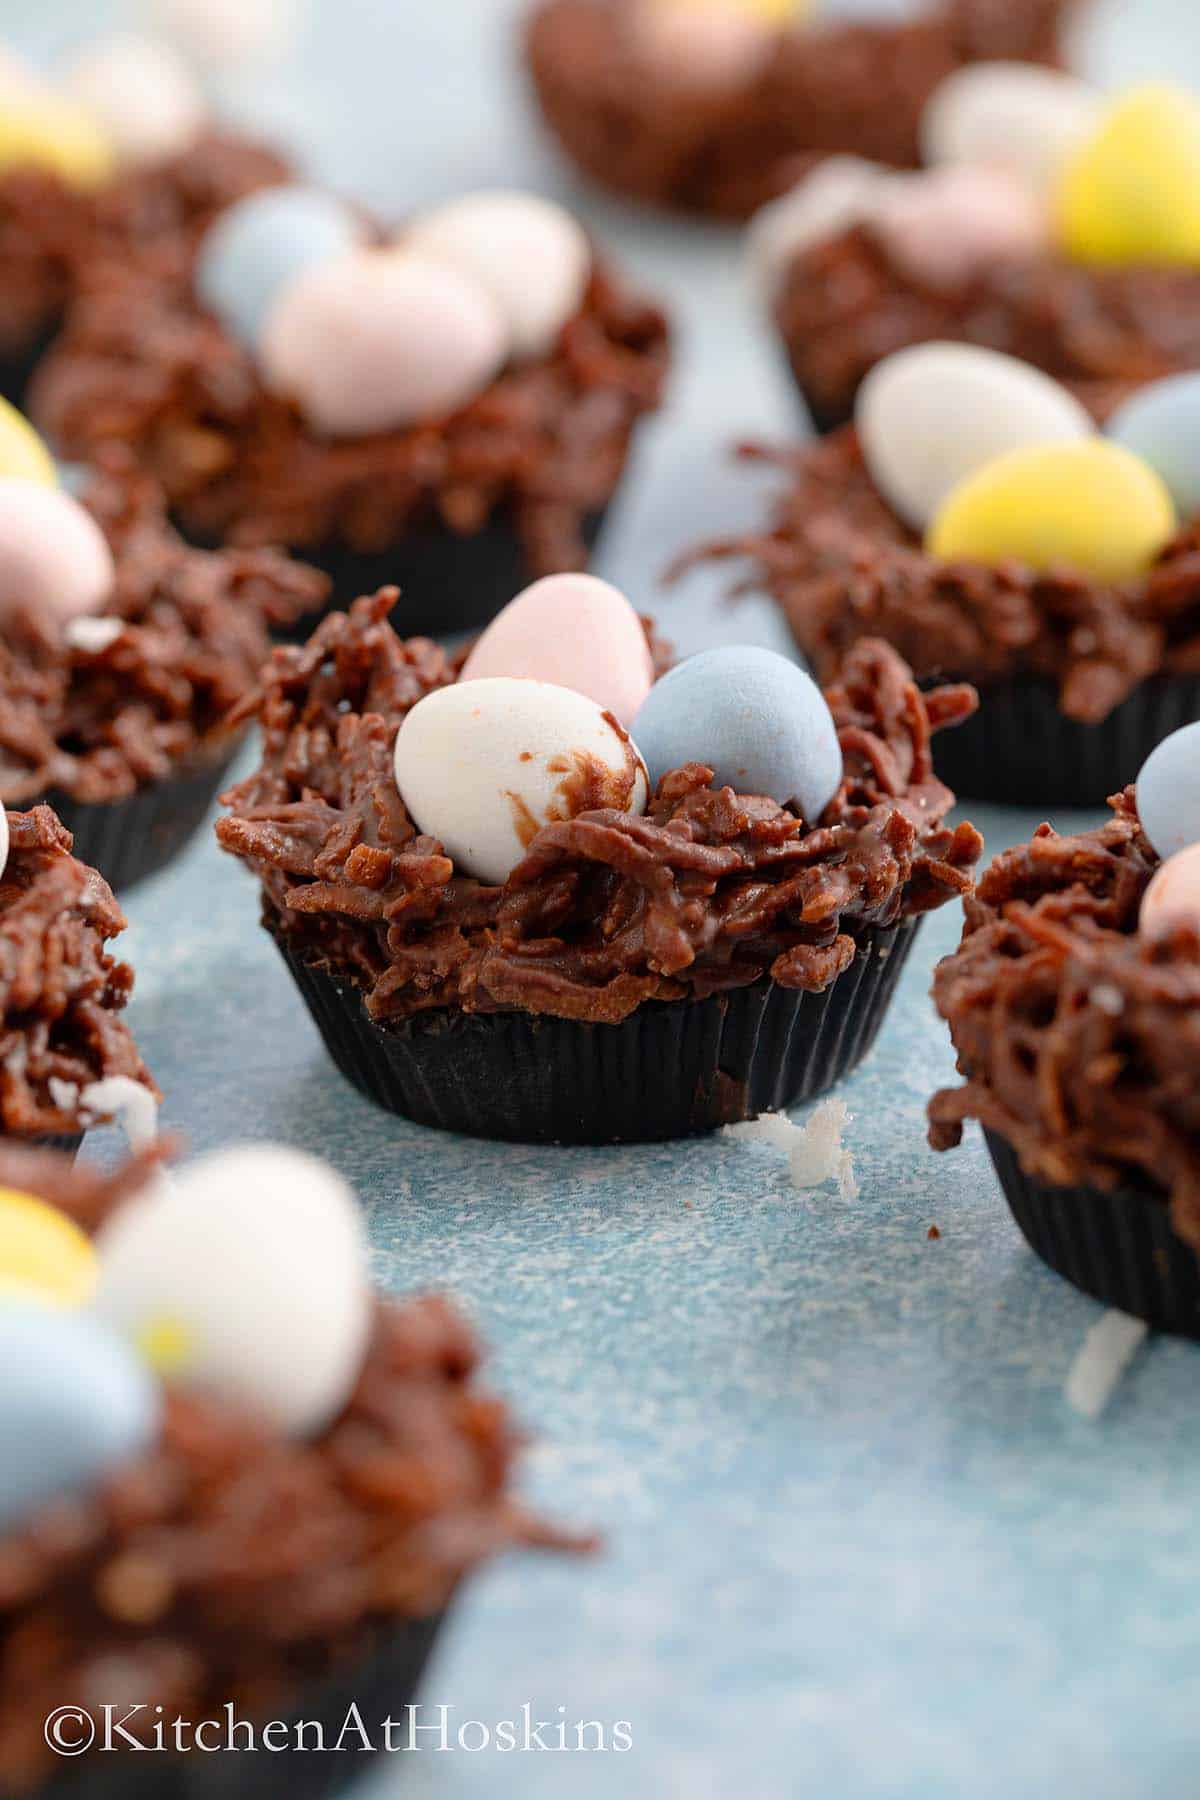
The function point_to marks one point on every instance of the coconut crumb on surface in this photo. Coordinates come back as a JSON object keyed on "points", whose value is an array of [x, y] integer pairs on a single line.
{"points": [[933, 1234], [1108, 1349], [816, 1151]]}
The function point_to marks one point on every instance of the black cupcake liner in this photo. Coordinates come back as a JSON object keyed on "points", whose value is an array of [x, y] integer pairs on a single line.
{"points": [[132, 839], [381, 1686], [1116, 1246], [1020, 749], [672, 1069], [449, 581], [68, 1142], [17, 366]]}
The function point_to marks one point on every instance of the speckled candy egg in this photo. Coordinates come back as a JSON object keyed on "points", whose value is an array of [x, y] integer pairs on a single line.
{"points": [[1132, 193], [1168, 792], [1091, 507], [1012, 116], [43, 1254], [140, 94], [573, 631], [75, 1405], [245, 1276], [54, 559], [838, 194], [483, 765], [262, 243], [930, 416], [756, 720], [1173, 896], [379, 340], [1161, 424], [528, 254]]}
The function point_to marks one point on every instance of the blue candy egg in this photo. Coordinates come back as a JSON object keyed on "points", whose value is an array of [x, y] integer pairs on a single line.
{"points": [[1161, 424], [75, 1404], [260, 245], [758, 722], [1168, 792]]}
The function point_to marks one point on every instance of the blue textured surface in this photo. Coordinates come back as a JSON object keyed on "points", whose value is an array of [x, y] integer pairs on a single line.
{"points": [[858, 1544]]}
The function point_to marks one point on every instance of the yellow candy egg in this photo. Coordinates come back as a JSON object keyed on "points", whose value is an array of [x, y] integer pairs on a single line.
{"points": [[1132, 193], [43, 1255], [781, 14], [23, 455], [1089, 506], [42, 130]]}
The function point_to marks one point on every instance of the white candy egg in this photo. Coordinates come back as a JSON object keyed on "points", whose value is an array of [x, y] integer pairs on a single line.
{"points": [[932, 415], [54, 559], [1013, 116], [527, 253], [483, 765], [379, 339], [245, 1276], [3, 840], [838, 194], [140, 94]]}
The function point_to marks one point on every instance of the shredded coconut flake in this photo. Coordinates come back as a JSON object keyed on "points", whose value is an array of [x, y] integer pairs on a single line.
{"points": [[1108, 1349], [816, 1151], [118, 1097], [93, 635]]}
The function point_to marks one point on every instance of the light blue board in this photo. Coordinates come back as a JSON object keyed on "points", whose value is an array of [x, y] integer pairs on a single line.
{"points": [[859, 1546]]}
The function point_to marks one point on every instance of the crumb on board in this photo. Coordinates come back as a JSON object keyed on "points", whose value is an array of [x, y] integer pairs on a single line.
{"points": [[933, 1234], [816, 1151], [1107, 1351]]}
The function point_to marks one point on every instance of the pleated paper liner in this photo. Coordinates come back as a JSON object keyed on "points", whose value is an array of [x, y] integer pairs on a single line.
{"points": [[131, 839], [380, 1685], [672, 1069], [1118, 1247], [1021, 750], [17, 366], [450, 582]]}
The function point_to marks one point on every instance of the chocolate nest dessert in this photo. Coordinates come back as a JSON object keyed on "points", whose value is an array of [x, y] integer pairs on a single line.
{"points": [[1078, 679], [635, 977], [61, 991], [1079, 1042], [54, 238], [844, 304], [232, 1565], [647, 132], [120, 722], [463, 510]]}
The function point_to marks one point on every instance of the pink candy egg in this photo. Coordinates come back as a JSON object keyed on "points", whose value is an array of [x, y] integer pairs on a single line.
{"points": [[378, 339], [947, 226], [1173, 897], [574, 632], [705, 44], [54, 559]]}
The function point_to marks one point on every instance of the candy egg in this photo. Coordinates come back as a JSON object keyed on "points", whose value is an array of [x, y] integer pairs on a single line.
{"points": [[75, 1406], [4, 840], [574, 632], [929, 416], [246, 1276], [705, 44], [264, 242], [54, 559], [140, 94], [528, 254], [43, 130], [1012, 116], [377, 340], [1168, 792], [838, 194], [483, 765], [1092, 507], [221, 34], [22, 452], [945, 226], [756, 720], [1132, 194], [1161, 424], [43, 1254], [1173, 896]]}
